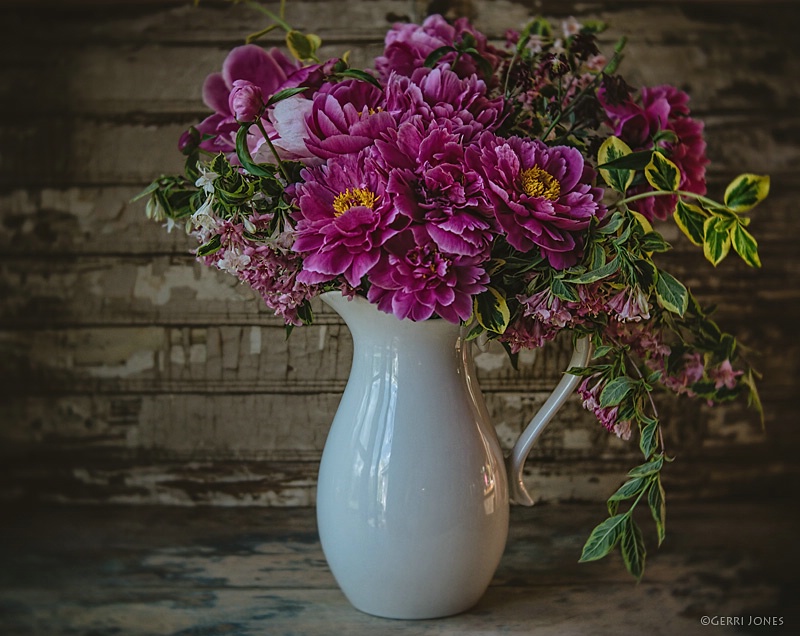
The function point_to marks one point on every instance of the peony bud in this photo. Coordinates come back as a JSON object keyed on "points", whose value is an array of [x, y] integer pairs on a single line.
{"points": [[245, 101]]}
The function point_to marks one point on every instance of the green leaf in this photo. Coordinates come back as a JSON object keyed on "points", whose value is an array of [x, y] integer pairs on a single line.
{"points": [[633, 548], [597, 274], [286, 93], [745, 191], [603, 538], [753, 399], [614, 392], [716, 238], [243, 152], [648, 468], [301, 46], [654, 242], [633, 161], [211, 247], [360, 75], [656, 499], [612, 225], [648, 438], [513, 356], [630, 488], [614, 148], [645, 273], [601, 351], [662, 174], [564, 291], [305, 313], [491, 309], [671, 293], [436, 55], [690, 219], [745, 245]]}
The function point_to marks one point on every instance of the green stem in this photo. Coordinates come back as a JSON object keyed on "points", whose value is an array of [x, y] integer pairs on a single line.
{"points": [[590, 86], [281, 167], [658, 193], [255, 5], [649, 393]]}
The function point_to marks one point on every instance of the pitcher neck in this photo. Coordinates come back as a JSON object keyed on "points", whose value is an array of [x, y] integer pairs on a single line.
{"points": [[365, 320]]}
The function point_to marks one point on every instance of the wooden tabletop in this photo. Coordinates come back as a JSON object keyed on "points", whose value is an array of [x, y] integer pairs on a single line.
{"points": [[249, 571]]}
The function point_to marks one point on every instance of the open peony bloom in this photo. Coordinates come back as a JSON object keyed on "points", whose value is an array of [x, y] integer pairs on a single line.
{"points": [[415, 280], [441, 95], [431, 184], [542, 196], [345, 118], [344, 219], [250, 75]]}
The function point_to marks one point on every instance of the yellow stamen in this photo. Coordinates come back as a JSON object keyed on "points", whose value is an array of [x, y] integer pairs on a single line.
{"points": [[352, 198], [540, 183]]}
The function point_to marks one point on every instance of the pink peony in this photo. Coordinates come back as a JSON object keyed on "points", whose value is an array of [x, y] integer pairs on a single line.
{"points": [[431, 184], [441, 95], [344, 219], [345, 118], [415, 280], [543, 197]]}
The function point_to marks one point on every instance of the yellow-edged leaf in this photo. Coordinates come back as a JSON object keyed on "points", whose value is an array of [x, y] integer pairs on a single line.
{"points": [[491, 310], [745, 191], [690, 219], [613, 148], [662, 174]]}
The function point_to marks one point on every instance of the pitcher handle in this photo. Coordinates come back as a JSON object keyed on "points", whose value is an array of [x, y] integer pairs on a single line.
{"points": [[515, 462]]}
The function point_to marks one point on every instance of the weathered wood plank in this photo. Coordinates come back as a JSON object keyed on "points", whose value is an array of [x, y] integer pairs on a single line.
{"points": [[142, 86], [293, 426], [89, 152]]}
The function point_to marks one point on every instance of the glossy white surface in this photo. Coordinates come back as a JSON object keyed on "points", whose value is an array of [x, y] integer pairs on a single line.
{"points": [[412, 500]]}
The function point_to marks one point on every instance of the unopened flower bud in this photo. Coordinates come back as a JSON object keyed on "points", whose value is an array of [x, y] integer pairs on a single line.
{"points": [[245, 101]]}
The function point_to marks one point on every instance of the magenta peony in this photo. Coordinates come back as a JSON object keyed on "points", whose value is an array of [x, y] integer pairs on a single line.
{"points": [[415, 280], [344, 219], [542, 196]]}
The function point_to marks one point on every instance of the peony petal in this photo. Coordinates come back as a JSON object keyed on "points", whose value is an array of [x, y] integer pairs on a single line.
{"points": [[251, 62], [215, 94]]}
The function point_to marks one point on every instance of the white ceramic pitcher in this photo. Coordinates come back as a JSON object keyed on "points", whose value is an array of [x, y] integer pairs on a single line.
{"points": [[413, 492]]}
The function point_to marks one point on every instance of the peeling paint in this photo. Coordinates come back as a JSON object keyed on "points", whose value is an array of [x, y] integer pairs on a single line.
{"points": [[138, 362], [255, 340]]}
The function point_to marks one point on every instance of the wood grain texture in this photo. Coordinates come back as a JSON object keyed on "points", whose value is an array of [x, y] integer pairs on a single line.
{"points": [[151, 571], [129, 373]]}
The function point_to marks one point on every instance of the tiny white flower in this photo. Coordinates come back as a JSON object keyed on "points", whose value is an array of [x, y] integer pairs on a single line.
{"points": [[248, 225], [206, 179], [202, 218], [170, 224]]}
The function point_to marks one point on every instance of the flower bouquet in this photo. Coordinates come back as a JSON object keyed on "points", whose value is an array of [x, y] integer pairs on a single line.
{"points": [[514, 188]]}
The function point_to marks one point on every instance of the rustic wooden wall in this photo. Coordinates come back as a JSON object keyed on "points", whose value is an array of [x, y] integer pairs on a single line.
{"points": [[131, 374]]}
